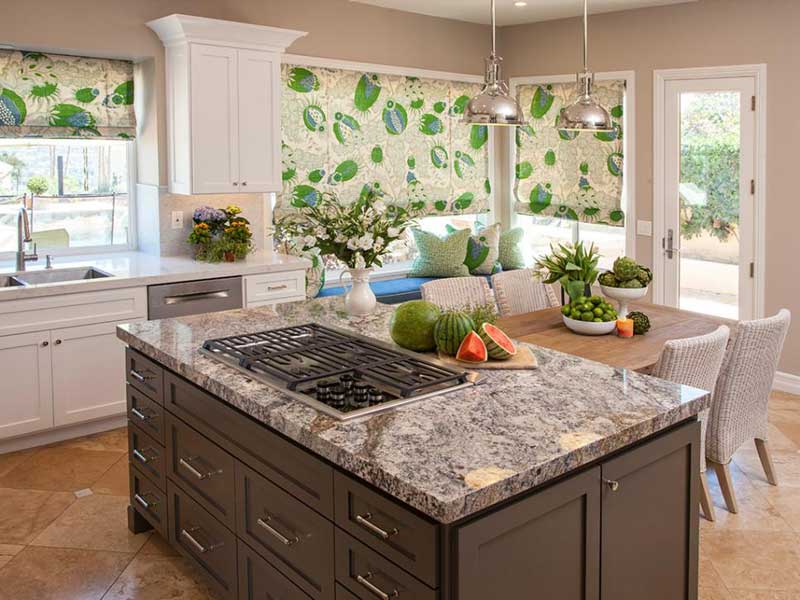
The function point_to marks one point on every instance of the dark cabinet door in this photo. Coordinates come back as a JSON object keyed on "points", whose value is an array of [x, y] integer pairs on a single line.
{"points": [[650, 519], [545, 546]]}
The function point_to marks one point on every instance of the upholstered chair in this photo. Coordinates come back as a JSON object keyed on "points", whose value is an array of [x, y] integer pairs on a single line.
{"points": [[739, 409], [696, 362], [458, 292], [518, 292]]}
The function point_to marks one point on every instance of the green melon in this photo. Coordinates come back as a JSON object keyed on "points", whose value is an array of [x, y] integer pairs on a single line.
{"points": [[450, 330], [498, 344], [412, 325]]}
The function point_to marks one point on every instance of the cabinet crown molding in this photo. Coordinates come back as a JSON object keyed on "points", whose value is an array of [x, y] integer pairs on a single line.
{"points": [[181, 29]]}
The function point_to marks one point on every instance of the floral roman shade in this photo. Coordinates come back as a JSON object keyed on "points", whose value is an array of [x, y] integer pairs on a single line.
{"points": [[343, 130], [566, 174], [59, 96]]}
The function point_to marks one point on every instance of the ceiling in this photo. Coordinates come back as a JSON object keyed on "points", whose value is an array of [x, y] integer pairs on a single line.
{"points": [[477, 11]]}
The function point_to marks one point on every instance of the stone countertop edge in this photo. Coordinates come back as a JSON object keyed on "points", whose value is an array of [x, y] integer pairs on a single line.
{"points": [[307, 431]]}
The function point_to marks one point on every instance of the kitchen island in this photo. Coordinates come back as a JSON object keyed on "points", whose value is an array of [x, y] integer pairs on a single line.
{"points": [[571, 480]]}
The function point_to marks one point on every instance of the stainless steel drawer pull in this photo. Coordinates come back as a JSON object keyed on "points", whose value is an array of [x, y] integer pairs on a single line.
{"points": [[180, 299], [186, 463], [264, 523], [275, 288], [140, 456], [139, 414], [138, 376], [612, 485], [375, 590], [193, 541], [144, 502], [364, 521]]}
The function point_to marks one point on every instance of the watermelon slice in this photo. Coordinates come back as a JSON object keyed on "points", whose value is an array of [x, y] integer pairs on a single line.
{"points": [[498, 345], [472, 349]]}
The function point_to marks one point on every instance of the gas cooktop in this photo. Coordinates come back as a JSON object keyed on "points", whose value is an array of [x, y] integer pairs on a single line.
{"points": [[339, 373]]}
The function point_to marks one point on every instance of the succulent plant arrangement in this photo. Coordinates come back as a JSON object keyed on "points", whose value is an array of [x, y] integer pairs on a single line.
{"points": [[571, 265], [627, 274]]}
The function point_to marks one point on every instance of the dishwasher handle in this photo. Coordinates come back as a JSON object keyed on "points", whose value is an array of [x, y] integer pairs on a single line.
{"points": [[194, 296]]}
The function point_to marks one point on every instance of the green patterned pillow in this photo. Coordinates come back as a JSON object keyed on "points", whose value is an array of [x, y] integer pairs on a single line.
{"points": [[511, 256], [440, 257], [483, 251]]}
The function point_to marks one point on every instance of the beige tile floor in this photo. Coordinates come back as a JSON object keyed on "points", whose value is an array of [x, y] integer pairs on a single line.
{"points": [[56, 545]]}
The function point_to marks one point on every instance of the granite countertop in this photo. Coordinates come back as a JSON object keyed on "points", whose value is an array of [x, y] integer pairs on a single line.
{"points": [[452, 455], [134, 269]]}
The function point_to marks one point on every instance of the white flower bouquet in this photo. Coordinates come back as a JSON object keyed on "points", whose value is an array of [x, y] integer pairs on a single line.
{"points": [[358, 234]]}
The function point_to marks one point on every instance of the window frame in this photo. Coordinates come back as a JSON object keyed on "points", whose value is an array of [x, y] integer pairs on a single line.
{"points": [[132, 244], [629, 140]]}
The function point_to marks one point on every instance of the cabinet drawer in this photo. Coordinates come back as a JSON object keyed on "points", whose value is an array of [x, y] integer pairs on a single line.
{"points": [[258, 580], [396, 532], [297, 471], [291, 536], [145, 375], [272, 287], [146, 413], [148, 455], [149, 501], [203, 540], [342, 593], [368, 575], [203, 468]]}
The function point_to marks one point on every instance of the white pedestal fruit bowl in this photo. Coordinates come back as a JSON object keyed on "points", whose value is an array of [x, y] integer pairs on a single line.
{"points": [[623, 296]]}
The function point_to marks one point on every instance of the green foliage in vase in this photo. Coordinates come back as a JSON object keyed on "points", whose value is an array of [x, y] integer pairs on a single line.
{"points": [[571, 265]]}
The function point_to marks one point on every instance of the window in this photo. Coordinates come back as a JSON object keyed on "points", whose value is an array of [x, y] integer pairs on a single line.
{"points": [[78, 192]]}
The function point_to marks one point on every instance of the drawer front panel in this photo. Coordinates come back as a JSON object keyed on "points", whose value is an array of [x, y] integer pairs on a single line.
{"points": [[146, 413], [393, 530], [258, 580], [145, 375], [149, 501], [203, 468], [342, 593], [148, 455], [204, 541], [295, 470], [291, 536], [368, 575], [271, 287]]}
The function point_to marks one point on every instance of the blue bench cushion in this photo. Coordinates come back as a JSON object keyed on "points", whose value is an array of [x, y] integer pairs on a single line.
{"points": [[388, 291]]}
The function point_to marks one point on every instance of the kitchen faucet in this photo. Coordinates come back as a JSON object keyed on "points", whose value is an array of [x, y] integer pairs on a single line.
{"points": [[23, 237]]}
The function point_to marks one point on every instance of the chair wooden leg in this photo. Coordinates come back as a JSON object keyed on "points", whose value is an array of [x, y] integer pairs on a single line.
{"points": [[705, 499], [766, 461], [726, 485]]}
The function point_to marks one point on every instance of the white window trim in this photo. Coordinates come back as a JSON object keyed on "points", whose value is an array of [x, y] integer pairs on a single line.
{"points": [[629, 141], [103, 249], [759, 74]]}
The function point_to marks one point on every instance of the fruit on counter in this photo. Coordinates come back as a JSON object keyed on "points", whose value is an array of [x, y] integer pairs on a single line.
{"points": [[627, 274], [594, 309], [450, 330], [498, 344], [412, 324], [641, 322], [472, 349]]}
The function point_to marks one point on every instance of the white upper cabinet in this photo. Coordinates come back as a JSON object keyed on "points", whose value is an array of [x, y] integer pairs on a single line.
{"points": [[223, 104]]}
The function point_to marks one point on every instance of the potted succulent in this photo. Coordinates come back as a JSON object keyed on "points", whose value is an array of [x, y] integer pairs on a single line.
{"points": [[572, 266]]}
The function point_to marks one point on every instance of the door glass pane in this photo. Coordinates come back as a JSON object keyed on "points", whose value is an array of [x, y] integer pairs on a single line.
{"points": [[709, 202]]}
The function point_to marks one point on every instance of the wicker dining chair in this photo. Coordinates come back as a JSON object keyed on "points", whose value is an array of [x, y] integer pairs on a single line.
{"points": [[458, 292], [739, 408], [518, 292], [696, 361]]}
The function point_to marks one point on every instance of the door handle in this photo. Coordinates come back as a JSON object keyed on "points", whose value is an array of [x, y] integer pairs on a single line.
{"points": [[141, 499], [265, 524], [139, 414], [366, 523], [669, 244], [186, 463], [364, 580], [140, 456], [187, 534]]}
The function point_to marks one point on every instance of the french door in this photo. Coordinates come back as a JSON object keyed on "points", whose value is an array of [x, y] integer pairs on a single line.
{"points": [[707, 253]]}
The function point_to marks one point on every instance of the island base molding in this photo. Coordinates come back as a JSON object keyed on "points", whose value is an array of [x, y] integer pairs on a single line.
{"points": [[261, 516]]}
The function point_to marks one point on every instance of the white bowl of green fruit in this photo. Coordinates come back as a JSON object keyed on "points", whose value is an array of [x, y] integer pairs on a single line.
{"points": [[626, 282], [589, 316]]}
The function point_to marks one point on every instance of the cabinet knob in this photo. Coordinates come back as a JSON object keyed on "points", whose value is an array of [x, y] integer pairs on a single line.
{"points": [[45, 344], [244, 183], [235, 183], [612, 485], [58, 342]]}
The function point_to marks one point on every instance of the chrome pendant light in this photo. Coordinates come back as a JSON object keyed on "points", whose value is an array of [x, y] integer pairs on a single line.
{"points": [[494, 105], [586, 113]]}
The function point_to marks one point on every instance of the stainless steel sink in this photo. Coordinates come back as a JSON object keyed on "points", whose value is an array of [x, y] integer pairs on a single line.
{"points": [[9, 281], [59, 275]]}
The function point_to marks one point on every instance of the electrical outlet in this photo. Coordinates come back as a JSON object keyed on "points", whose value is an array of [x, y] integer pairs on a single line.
{"points": [[177, 219], [644, 228]]}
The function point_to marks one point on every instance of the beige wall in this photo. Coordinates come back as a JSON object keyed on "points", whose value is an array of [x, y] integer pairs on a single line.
{"points": [[706, 33]]}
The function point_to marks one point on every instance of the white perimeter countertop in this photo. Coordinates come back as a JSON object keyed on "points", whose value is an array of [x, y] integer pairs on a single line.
{"points": [[135, 269]]}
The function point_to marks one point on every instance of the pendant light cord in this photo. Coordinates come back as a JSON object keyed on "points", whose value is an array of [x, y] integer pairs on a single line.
{"points": [[494, 35], [585, 35]]}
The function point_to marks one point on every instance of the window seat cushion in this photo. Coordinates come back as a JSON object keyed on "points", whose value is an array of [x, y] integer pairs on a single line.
{"points": [[389, 291]]}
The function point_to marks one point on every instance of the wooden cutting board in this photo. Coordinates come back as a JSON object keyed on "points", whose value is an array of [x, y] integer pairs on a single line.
{"points": [[524, 359]]}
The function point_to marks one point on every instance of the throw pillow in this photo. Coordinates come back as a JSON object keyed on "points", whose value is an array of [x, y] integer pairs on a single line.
{"points": [[440, 257], [483, 251], [511, 256]]}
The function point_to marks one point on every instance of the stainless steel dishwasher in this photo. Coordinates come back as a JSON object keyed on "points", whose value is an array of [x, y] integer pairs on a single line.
{"points": [[193, 297]]}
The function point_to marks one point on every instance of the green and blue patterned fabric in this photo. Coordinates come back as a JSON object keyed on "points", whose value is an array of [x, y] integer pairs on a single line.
{"points": [[510, 250], [59, 96], [567, 174], [440, 256]]}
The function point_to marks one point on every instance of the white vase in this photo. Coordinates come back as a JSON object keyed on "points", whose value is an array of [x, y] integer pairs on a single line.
{"points": [[359, 299]]}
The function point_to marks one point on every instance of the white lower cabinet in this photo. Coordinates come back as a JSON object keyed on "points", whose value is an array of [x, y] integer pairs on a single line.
{"points": [[268, 289], [27, 392]]}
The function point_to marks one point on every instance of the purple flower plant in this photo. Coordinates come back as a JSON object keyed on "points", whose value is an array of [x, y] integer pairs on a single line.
{"points": [[208, 214]]}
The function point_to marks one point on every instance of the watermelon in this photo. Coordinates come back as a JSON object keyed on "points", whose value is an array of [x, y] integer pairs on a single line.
{"points": [[450, 330], [472, 349], [412, 325], [498, 344]]}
